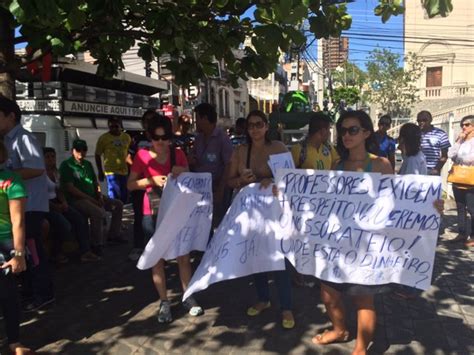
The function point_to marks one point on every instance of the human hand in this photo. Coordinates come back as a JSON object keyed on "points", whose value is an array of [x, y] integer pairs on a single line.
{"points": [[247, 177], [177, 170], [17, 264], [265, 183], [439, 206], [159, 180], [275, 190]]}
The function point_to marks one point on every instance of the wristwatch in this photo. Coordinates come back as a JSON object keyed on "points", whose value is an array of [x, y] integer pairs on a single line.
{"points": [[18, 253]]}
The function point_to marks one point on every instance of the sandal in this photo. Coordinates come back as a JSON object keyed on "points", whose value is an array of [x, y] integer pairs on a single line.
{"points": [[320, 338], [287, 323], [252, 311]]}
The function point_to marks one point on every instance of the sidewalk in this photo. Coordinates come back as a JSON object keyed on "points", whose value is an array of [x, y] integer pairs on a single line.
{"points": [[110, 308]]}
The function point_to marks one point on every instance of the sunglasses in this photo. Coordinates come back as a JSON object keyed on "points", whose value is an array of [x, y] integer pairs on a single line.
{"points": [[466, 124], [385, 124], [258, 125], [160, 137], [353, 130], [114, 126], [82, 150]]}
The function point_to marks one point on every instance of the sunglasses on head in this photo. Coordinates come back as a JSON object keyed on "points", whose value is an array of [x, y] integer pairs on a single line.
{"points": [[466, 124], [259, 125], [353, 130], [160, 137]]}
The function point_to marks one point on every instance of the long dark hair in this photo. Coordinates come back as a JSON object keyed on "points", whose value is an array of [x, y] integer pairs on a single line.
{"points": [[410, 133], [366, 123], [264, 118]]}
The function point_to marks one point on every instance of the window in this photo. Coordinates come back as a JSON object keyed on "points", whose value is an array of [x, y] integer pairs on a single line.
{"points": [[434, 76]]}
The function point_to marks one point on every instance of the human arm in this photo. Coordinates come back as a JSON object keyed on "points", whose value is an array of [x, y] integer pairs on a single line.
{"points": [[100, 170], [391, 159], [442, 160], [17, 217], [181, 165], [235, 180], [383, 166], [32, 162]]}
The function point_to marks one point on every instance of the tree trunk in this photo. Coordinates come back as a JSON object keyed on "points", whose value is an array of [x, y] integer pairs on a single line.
{"points": [[7, 53]]}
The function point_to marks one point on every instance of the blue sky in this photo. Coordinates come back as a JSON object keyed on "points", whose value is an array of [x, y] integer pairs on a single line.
{"points": [[365, 24]]}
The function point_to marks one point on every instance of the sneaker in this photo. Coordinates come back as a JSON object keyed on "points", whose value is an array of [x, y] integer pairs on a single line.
{"points": [[89, 256], [38, 304], [135, 254], [192, 307], [164, 314]]}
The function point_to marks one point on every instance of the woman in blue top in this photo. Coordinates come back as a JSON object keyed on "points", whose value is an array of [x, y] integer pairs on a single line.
{"points": [[355, 142]]}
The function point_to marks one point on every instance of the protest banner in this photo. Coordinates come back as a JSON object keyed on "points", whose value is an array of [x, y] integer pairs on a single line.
{"points": [[280, 161], [192, 229], [363, 228], [165, 234], [245, 242]]}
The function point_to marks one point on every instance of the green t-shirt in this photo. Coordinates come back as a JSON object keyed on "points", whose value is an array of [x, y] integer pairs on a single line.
{"points": [[82, 176], [11, 188]]}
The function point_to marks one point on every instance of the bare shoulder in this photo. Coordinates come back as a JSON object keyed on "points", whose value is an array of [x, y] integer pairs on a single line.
{"points": [[278, 147], [382, 165]]}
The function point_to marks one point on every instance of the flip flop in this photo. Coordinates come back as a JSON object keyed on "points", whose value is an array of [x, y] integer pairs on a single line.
{"points": [[319, 339], [252, 311]]}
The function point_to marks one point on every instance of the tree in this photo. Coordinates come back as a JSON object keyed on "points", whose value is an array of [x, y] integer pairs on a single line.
{"points": [[349, 75], [194, 33], [390, 85], [348, 95]]}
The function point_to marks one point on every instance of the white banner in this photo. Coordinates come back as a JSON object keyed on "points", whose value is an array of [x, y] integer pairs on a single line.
{"points": [[187, 229], [245, 243], [280, 161], [363, 228]]}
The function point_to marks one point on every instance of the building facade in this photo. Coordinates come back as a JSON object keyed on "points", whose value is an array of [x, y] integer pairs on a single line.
{"points": [[335, 52], [446, 47]]}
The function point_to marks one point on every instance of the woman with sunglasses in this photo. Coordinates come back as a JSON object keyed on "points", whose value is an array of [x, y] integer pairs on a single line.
{"points": [[355, 143], [248, 165], [148, 172], [462, 153]]}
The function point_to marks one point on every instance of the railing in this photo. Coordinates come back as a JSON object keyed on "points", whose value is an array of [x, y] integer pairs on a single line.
{"points": [[446, 92]]}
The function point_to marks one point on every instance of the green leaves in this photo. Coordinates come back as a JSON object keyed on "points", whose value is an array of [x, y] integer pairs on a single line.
{"points": [[193, 33], [387, 8], [390, 85], [438, 7]]}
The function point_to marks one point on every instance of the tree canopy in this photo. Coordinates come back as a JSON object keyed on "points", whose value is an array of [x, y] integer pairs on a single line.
{"points": [[194, 33], [390, 85]]}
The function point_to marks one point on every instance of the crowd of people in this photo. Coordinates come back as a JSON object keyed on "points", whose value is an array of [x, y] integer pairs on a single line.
{"points": [[39, 199]]}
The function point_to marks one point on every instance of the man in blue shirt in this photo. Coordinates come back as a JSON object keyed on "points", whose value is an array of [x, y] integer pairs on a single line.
{"points": [[434, 143], [386, 143], [26, 159]]}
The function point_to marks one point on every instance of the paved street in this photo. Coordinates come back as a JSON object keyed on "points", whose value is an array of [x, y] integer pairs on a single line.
{"points": [[109, 308]]}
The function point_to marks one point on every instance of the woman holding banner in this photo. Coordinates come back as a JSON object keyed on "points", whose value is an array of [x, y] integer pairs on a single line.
{"points": [[355, 142], [148, 172], [249, 165]]}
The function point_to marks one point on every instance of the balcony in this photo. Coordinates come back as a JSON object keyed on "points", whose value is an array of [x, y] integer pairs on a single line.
{"points": [[446, 92]]}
